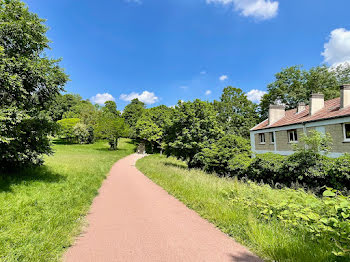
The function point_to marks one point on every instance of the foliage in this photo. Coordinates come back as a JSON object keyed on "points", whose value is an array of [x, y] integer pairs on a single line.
{"points": [[111, 107], [81, 133], [132, 112], [194, 127], [66, 129], [236, 113], [42, 209], [228, 156], [238, 209], [83, 110], [294, 84], [327, 219], [111, 127], [63, 104], [150, 127], [315, 142], [266, 167], [19, 145], [306, 167], [29, 81], [339, 173], [147, 130]]}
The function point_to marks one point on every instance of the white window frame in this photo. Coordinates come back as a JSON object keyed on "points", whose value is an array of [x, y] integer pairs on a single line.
{"points": [[294, 131], [262, 135], [344, 133], [272, 136]]}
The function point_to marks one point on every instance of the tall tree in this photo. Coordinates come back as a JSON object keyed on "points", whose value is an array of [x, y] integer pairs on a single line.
{"points": [[236, 113], [194, 127], [111, 127], [111, 107], [29, 82], [132, 113], [62, 104], [151, 125], [294, 84]]}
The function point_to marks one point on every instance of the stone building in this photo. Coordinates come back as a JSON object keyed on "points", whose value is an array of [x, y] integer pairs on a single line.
{"points": [[283, 128]]}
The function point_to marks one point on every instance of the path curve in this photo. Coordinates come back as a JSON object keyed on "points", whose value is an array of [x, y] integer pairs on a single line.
{"points": [[133, 219]]}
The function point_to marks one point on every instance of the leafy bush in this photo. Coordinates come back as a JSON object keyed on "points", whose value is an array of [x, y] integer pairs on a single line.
{"points": [[67, 127], [306, 167], [266, 167], [81, 133], [20, 146], [230, 155], [339, 173], [91, 137], [328, 219]]}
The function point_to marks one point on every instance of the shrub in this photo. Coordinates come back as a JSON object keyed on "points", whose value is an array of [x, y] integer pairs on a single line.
{"points": [[230, 156], [91, 137], [67, 127], [328, 219], [306, 167], [266, 167], [81, 133], [339, 173]]}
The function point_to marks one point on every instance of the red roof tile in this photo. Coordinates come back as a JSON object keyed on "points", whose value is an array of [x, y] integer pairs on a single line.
{"points": [[330, 110]]}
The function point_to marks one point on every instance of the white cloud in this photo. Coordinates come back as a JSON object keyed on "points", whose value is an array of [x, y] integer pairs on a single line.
{"points": [[102, 98], [203, 72], [223, 77], [208, 92], [337, 49], [183, 87], [260, 9], [146, 97], [255, 95]]}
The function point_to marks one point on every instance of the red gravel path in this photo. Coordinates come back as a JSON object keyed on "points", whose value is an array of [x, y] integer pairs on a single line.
{"points": [[133, 219]]}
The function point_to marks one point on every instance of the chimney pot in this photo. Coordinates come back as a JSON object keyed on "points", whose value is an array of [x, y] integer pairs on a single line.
{"points": [[316, 103], [276, 112], [344, 95], [301, 107]]}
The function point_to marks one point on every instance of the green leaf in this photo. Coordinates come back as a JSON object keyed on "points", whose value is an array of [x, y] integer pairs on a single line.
{"points": [[328, 193]]}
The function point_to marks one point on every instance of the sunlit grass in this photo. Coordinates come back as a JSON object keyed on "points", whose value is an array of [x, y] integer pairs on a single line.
{"points": [[205, 193], [42, 209]]}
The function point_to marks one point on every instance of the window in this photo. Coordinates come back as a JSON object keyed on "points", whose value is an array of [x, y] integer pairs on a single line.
{"points": [[293, 136], [272, 137], [346, 132], [262, 138]]}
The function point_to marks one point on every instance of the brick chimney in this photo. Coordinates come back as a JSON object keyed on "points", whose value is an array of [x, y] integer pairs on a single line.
{"points": [[276, 112], [301, 107], [316, 103], [344, 96]]}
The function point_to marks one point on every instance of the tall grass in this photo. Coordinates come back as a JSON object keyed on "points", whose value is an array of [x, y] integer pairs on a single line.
{"points": [[209, 196], [42, 209]]}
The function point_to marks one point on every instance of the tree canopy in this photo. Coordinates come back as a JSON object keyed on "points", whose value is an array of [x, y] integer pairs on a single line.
{"points": [[294, 84], [29, 82], [194, 127], [236, 113], [133, 111]]}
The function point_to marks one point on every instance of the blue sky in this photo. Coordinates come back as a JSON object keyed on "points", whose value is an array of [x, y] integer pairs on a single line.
{"points": [[163, 51]]}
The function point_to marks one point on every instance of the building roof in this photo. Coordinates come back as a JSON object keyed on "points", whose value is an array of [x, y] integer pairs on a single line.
{"points": [[331, 109]]}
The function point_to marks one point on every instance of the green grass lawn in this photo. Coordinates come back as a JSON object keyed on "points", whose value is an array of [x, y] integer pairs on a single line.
{"points": [[207, 195], [42, 209]]}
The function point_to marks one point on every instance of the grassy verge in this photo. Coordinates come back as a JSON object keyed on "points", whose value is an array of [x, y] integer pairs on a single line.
{"points": [[212, 198], [42, 209]]}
